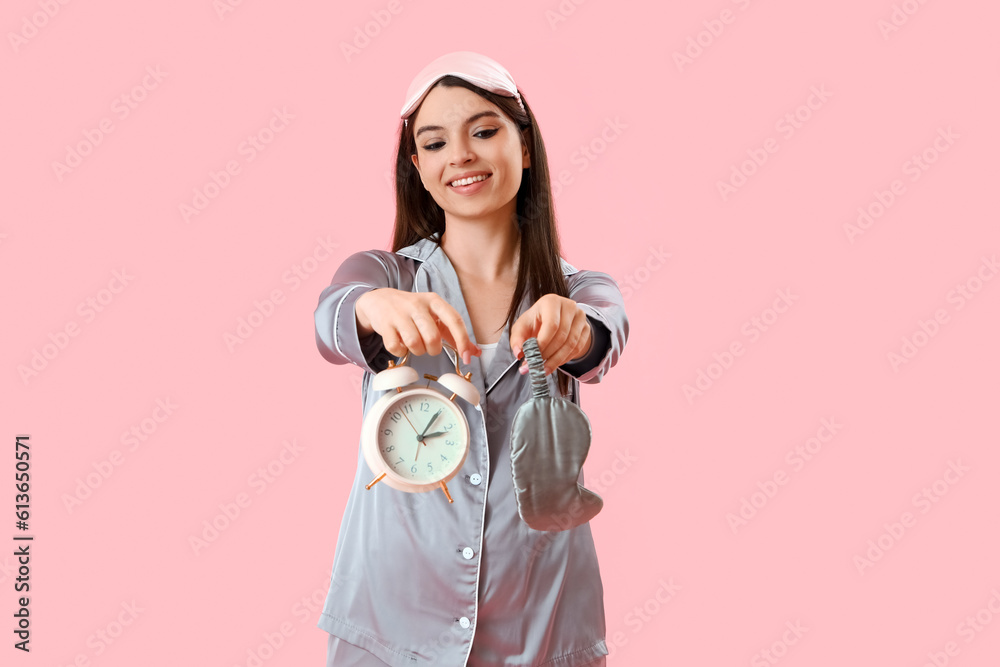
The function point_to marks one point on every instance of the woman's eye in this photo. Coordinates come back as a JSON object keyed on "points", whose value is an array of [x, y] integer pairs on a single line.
{"points": [[438, 144]]}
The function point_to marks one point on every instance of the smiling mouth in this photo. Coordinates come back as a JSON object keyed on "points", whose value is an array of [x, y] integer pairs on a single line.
{"points": [[468, 181]]}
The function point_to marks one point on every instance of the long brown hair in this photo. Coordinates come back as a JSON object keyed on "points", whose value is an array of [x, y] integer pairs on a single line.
{"points": [[418, 216]]}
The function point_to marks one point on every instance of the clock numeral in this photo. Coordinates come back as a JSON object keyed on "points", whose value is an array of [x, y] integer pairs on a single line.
{"points": [[444, 458], [396, 416], [387, 431], [389, 448], [413, 468], [408, 408], [430, 467], [425, 406], [449, 427], [449, 442], [397, 462]]}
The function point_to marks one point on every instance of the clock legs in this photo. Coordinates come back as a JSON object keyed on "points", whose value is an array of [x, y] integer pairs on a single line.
{"points": [[444, 487]]}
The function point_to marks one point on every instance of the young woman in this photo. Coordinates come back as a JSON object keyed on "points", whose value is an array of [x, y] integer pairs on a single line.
{"points": [[475, 263]]}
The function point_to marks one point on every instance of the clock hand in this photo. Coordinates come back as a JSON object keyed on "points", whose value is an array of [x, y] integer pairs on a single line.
{"points": [[419, 437], [422, 436], [411, 424], [435, 434]]}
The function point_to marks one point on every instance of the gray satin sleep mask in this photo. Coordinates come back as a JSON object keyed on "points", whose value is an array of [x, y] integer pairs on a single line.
{"points": [[549, 442]]}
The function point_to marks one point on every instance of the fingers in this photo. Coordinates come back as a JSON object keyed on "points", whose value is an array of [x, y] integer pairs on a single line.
{"points": [[575, 344], [419, 322], [521, 331], [415, 322], [527, 325], [422, 336], [393, 343], [451, 325], [559, 325], [550, 337]]}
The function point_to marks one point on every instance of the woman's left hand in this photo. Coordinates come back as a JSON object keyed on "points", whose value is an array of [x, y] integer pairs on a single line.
{"points": [[559, 325]]}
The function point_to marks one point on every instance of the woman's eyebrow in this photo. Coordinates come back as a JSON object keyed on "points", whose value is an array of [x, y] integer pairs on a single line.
{"points": [[471, 119]]}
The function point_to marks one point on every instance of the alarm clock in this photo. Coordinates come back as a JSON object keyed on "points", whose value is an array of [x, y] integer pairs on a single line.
{"points": [[415, 438]]}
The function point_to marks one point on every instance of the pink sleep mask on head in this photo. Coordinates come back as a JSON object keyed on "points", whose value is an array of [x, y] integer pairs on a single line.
{"points": [[475, 68]]}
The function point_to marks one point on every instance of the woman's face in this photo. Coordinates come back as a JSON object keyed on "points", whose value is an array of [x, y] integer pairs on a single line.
{"points": [[458, 132]]}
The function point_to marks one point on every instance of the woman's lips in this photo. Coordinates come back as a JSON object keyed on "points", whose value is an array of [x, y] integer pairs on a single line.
{"points": [[471, 188]]}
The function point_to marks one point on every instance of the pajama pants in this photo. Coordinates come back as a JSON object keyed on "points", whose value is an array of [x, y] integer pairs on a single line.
{"points": [[344, 654]]}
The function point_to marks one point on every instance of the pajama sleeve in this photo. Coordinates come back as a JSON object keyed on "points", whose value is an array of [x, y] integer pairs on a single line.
{"points": [[598, 295], [336, 324]]}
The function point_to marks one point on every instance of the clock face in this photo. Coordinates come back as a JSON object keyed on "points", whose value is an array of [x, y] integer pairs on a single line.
{"points": [[422, 436]]}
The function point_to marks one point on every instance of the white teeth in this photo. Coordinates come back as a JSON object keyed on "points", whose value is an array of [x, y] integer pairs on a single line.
{"points": [[466, 181]]}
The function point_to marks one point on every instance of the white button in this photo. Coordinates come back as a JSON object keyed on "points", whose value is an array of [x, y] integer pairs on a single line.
{"points": [[468, 553], [476, 479], [464, 622]]}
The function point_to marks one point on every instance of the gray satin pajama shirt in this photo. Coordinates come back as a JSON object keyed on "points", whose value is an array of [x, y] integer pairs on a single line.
{"points": [[419, 581]]}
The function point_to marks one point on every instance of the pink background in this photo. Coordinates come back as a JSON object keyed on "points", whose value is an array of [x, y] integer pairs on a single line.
{"points": [[685, 584]]}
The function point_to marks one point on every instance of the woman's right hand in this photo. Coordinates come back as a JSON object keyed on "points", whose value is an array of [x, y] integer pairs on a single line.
{"points": [[413, 321]]}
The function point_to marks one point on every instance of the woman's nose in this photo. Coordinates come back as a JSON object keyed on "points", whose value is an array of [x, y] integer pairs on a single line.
{"points": [[460, 152]]}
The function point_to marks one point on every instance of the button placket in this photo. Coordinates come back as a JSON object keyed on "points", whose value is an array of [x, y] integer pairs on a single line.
{"points": [[468, 552]]}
